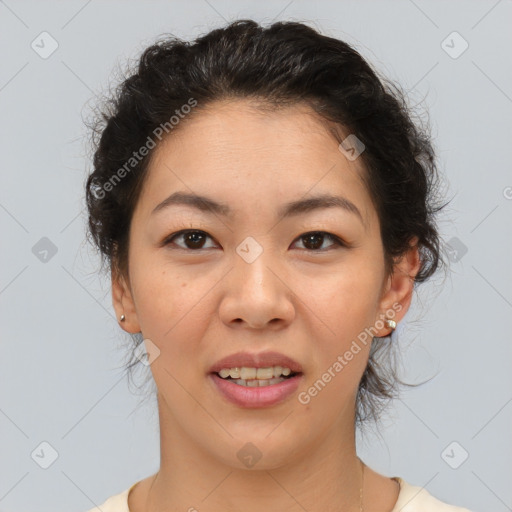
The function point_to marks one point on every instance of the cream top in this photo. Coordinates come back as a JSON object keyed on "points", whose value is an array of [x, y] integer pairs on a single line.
{"points": [[411, 498]]}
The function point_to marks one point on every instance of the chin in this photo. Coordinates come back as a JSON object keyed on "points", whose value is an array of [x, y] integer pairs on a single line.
{"points": [[269, 451]]}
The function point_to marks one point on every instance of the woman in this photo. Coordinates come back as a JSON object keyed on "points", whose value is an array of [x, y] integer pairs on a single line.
{"points": [[265, 206]]}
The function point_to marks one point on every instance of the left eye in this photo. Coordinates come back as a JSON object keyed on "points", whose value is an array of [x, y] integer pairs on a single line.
{"points": [[315, 239], [195, 240]]}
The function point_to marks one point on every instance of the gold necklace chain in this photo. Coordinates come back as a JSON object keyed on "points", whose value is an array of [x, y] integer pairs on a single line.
{"points": [[362, 486]]}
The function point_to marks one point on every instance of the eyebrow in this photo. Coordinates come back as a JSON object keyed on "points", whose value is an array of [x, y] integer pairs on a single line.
{"points": [[293, 208]]}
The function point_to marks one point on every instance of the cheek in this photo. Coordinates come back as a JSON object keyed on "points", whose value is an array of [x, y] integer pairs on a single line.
{"points": [[173, 318], [163, 295], [171, 311], [345, 302]]}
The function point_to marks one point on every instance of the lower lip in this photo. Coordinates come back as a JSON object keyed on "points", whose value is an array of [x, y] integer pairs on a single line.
{"points": [[264, 396]]}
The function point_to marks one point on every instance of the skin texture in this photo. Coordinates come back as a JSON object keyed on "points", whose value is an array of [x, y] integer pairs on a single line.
{"points": [[199, 305]]}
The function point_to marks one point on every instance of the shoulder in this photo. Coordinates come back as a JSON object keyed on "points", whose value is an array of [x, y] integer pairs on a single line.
{"points": [[116, 503], [413, 498]]}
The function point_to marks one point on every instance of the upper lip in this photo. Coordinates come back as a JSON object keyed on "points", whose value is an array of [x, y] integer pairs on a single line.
{"points": [[257, 360]]}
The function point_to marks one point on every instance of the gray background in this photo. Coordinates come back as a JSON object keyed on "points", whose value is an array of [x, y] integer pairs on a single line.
{"points": [[61, 369]]}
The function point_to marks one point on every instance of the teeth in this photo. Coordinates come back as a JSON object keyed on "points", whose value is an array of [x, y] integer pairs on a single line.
{"points": [[234, 373], [254, 383], [265, 373], [246, 373]]}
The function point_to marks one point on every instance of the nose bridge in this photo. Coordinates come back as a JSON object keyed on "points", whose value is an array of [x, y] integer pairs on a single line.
{"points": [[252, 262], [254, 293]]}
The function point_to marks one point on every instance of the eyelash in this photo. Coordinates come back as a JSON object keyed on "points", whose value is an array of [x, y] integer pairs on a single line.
{"points": [[337, 241]]}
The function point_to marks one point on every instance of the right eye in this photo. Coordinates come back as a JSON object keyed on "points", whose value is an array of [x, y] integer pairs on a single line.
{"points": [[193, 239]]}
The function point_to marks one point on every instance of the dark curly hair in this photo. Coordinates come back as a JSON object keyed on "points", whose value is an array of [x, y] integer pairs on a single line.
{"points": [[287, 63]]}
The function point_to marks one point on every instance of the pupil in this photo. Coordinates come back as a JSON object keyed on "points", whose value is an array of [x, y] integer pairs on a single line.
{"points": [[192, 237], [311, 238]]}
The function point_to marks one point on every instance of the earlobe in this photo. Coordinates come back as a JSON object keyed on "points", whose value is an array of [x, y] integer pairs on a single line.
{"points": [[123, 303], [396, 300]]}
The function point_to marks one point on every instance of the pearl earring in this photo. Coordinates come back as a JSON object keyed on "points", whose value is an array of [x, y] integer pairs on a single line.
{"points": [[391, 324]]}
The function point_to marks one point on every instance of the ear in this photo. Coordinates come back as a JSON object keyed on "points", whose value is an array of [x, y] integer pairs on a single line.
{"points": [[397, 292], [122, 300]]}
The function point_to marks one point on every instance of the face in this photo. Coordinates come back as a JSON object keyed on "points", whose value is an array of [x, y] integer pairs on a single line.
{"points": [[249, 277]]}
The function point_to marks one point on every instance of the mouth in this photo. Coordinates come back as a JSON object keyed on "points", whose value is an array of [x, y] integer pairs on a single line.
{"points": [[256, 377], [256, 387]]}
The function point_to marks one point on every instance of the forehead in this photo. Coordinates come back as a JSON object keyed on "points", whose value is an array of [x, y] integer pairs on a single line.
{"points": [[235, 151]]}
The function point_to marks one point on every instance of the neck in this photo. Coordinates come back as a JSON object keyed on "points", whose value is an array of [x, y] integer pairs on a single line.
{"points": [[287, 478]]}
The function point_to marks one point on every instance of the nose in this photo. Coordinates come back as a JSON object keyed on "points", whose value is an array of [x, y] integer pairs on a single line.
{"points": [[256, 296]]}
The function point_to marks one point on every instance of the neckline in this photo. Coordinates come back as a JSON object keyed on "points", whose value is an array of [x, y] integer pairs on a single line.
{"points": [[397, 479]]}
